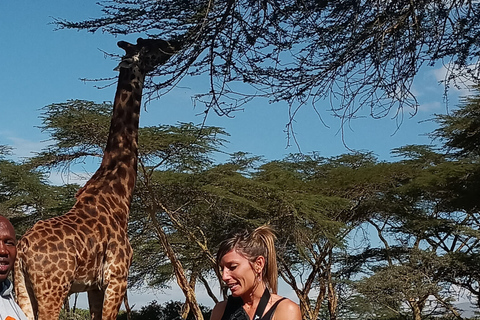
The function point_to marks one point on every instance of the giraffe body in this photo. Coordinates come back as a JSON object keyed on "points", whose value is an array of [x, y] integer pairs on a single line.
{"points": [[87, 249]]}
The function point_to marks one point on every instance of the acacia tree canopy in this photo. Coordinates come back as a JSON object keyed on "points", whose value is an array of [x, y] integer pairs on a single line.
{"points": [[354, 52]]}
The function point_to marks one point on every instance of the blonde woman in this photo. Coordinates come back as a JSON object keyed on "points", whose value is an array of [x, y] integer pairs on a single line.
{"points": [[249, 268]]}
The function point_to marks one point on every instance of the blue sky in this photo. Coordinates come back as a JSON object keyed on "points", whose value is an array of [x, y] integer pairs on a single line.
{"points": [[41, 66]]}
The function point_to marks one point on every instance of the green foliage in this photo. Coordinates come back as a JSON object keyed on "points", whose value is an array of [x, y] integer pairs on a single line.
{"points": [[427, 225], [5, 151], [181, 148], [460, 130], [395, 285], [170, 310], [359, 307], [78, 129], [77, 123], [25, 195], [78, 314]]}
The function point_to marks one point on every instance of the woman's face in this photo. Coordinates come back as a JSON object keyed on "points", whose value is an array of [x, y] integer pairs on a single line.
{"points": [[238, 274]]}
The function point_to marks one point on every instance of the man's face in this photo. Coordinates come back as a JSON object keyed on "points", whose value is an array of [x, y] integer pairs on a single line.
{"points": [[8, 250]]}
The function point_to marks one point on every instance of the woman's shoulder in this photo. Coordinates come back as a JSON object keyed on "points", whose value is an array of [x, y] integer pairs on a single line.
{"points": [[286, 309], [218, 310]]}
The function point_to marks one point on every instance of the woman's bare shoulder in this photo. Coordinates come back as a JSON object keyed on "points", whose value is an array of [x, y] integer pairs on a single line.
{"points": [[218, 310], [287, 310]]}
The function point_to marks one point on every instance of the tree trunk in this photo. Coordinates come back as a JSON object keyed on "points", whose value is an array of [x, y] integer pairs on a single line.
{"points": [[191, 284], [208, 288], [182, 280], [317, 276], [127, 306], [332, 301], [332, 295], [416, 310]]}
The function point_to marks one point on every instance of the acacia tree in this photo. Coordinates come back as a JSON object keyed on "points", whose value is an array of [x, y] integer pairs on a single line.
{"points": [[169, 150], [459, 133], [312, 202], [356, 53], [428, 225], [428, 232]]}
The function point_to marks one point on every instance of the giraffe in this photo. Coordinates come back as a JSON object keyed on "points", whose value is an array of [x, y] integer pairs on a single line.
{"points": [[87, 249]]}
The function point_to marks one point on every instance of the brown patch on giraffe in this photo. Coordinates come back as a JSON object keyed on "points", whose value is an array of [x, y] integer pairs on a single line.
{"points": [[110, 167], [122, 173], [52, 247], [119, 189], [85, 230], [103, 220], [130, 182], [92, 211], [137, 97], [88, 199], [82, 214], [59, 233], [127, 87], [120, 256], [120, 114], [101, 231], [53, 238], [62, 264], [41, 246], [62, 256]]}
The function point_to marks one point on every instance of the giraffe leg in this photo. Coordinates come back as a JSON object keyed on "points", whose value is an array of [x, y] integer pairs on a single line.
{"points": [[114, 295], [95, 303], [50, 302]]}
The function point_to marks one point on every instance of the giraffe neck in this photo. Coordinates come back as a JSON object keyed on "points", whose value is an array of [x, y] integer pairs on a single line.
{"points": [[122, 142], [118, 170]]}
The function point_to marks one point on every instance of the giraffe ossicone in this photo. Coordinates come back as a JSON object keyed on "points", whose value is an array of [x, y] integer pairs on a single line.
{"points": [[87, 249]]}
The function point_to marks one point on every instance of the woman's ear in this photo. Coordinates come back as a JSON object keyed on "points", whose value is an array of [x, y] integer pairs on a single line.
{"points": [[259, 264]]}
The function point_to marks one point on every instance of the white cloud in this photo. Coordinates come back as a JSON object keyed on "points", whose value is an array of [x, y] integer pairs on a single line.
{"points": [[461, 85], [431, 106], [22, 148], [59, 178]]}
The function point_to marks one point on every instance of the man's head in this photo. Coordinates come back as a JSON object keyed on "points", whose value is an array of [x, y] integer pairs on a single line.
{"points": [[8, 250]]}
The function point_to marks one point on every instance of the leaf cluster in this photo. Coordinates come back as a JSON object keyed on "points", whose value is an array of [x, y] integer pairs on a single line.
{"points": [[26, 196], [170, 310]]}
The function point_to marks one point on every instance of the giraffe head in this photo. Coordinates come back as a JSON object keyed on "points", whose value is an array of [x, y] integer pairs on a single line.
{"points": [[147, 53]]}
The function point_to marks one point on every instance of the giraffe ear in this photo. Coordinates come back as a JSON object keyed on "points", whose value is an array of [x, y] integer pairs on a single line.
{"points": [[122, 64], [125, 63]]}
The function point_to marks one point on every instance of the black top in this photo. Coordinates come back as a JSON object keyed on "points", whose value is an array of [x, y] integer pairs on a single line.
{"points": [[234, 309]]}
